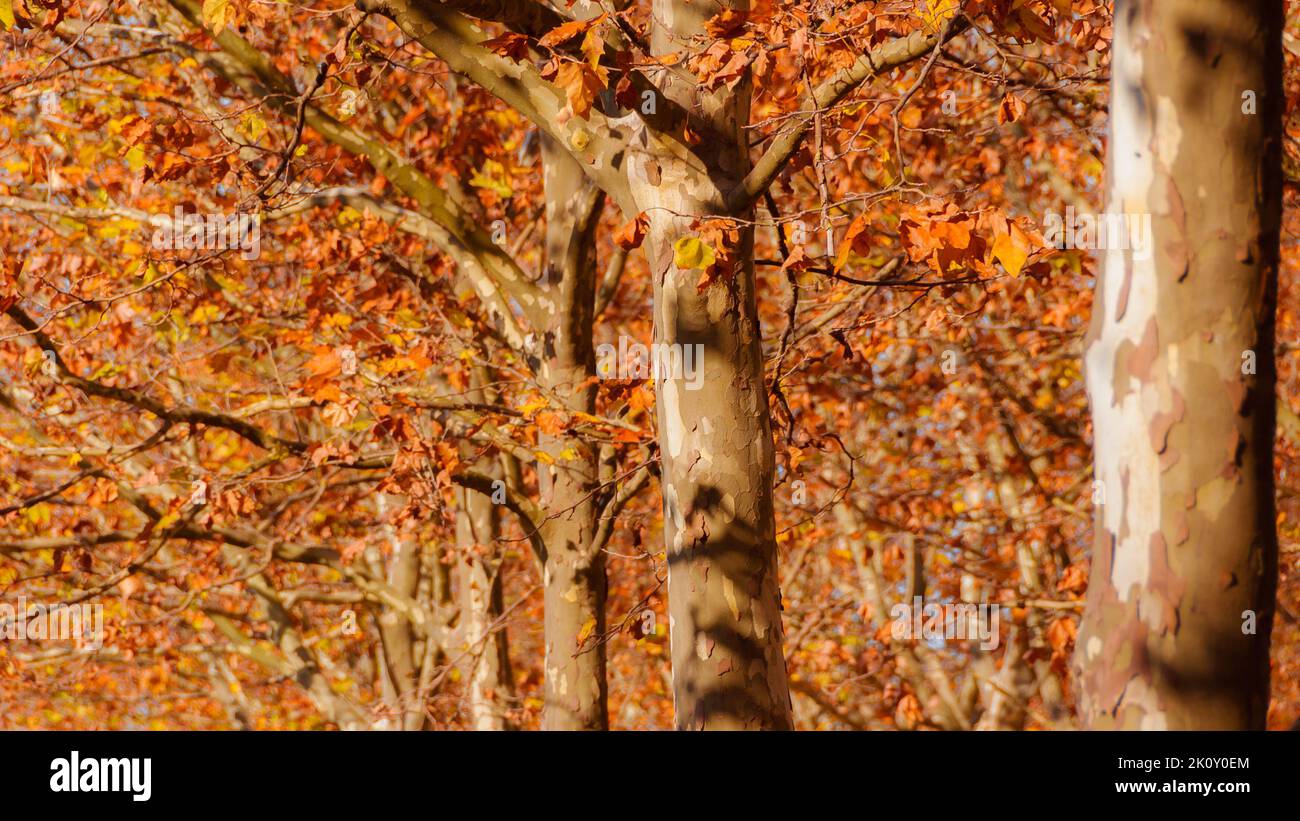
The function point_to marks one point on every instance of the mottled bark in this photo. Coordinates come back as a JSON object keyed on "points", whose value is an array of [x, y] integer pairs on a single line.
{"points": [[485, 663], [1180, 373], [396, 633], [715, 443], [574, 577]]}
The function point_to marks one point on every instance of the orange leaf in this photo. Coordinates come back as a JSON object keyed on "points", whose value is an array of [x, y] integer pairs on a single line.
{"points": [[1011, 109], [632, 234], [581, 84], [1011, 249], [567, 31], [856, 228]]}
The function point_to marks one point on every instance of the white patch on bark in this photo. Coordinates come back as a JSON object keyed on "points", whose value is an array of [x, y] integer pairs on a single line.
{"points": [[729, 591], [702, 646], [674, 426], [760, 622], [1137, 693], [1169, 134], [1121, 417]]}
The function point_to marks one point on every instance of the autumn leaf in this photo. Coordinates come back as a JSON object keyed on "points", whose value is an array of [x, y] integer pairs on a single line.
{"points": [[567, 31], [136, 129], [1035, 24], [7, 13], [632, 234], [581, 85], [726, 23], [217, 14], [253, 126], [593, 47], [510, 45], [935, 13], [1061, 635], [690, 252], [550, 423], [1011, 109], [796, 260], [625, 93], [325, 363], [857, 229], [492, 176], [129, 586], [339, 414], [327, 392], [1011, 249], [533, 405]]}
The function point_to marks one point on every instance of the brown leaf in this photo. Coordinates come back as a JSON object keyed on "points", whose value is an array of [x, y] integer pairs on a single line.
{"points": [[1011, 109], [581, 84], [632, 233], [567, 31], [509, 45]]}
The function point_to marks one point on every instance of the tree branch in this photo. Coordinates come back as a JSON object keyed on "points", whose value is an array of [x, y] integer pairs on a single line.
{"points": [[594, 142], [461, 237], [835, 88]]}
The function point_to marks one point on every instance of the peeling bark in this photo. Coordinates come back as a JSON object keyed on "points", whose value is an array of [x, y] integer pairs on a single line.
{"points": [[397, 637], [486, 664], [1185, 540], [715, 443], [574, 577]]}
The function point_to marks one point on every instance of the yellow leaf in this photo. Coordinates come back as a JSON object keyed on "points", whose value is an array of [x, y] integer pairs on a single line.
{"points": [[38, 514], [593, 46], [253, 125], [534, 404], [217, 14], [492, 177], [204, 314], [690, 252], [936, 12], [586, 631], [7, 13], [1009, 249]]}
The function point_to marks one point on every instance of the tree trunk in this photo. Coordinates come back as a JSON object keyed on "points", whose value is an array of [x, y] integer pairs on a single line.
{"points": [[574, 577], [396, 635], [1180, 374], [715, 443], [486, 665]]}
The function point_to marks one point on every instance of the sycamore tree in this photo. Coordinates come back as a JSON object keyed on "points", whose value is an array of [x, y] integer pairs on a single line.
{"points": [[508, 364], [1180, 373]]}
